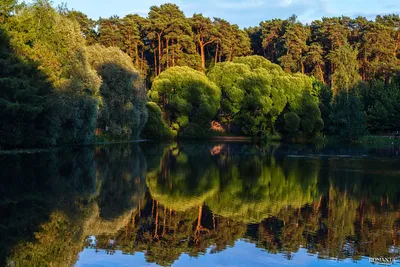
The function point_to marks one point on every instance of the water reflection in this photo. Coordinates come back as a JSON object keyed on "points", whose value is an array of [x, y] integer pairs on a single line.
{"points": [[163, 201]]}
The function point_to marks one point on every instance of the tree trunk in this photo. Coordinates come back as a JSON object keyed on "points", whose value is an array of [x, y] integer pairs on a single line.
{"points": [[167, 49], [165, 219], [198, 227], [322, 74], [216, 54], [155, 61], [156, 228], [142, 62], [137, 54], [203, 57], [230, 54], [173, 56], [159, 53]]}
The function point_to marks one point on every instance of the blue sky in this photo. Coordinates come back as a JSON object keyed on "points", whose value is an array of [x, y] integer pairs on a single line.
{"points": [[242, 12]]}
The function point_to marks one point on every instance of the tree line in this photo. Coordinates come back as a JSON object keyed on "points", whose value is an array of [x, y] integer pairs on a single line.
{"points": [[338, 76]]}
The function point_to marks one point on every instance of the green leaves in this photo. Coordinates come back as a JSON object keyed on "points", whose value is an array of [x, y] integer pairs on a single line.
{"points": [[348, 117], [256, 92], [292, 122], [346, 74], [186, 96], [122, 110]]}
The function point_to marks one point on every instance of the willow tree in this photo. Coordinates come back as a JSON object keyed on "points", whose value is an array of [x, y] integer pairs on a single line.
{"points": [[122, 110], [249, 99], [40, 35], [187, 97], [256, 92], [22, 99]]}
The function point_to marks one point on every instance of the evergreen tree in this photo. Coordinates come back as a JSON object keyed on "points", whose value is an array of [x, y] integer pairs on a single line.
{"points": [[205, 34], [348, 117]]}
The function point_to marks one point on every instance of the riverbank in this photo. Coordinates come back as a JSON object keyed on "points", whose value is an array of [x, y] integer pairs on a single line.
{"points": [[41, 150], [366, 140], [379, 140]]}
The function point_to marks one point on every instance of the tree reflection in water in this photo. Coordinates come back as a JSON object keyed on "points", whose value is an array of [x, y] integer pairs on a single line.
{"points": [[168, 200]]}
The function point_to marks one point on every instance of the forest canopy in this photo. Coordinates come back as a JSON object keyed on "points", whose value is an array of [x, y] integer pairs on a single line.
{"points": [[67, 78]]}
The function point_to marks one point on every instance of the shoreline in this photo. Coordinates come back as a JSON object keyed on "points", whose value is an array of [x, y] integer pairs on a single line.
{"points": [[366, 140]]}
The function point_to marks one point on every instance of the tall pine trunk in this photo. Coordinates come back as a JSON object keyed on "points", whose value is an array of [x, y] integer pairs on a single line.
{"points": [[155, 61], [167, 49], [159, 53], [203, 57], [216, 54]]}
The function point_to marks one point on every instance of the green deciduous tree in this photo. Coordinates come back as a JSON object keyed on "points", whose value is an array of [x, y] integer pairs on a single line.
{"points": [[186, 96], [256, 92], [122, 109], [54, 45], [155, 127]]}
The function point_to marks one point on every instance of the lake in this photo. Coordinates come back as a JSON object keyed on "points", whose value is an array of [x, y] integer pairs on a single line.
{"points": [[201, 204]]}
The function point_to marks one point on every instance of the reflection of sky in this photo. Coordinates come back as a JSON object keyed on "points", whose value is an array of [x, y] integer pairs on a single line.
{"points": [[242, 254]]}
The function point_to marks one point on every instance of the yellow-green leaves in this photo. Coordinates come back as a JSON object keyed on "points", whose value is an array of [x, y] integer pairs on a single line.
{"points": [[186, 96]]}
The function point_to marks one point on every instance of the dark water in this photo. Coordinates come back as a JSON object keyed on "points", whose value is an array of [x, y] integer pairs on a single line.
{"points": [[200, 204]]}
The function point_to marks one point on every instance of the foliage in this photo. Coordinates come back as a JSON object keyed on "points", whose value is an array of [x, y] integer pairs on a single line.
{"points": [[306, 107], [186, 96], [50, 91], [256, 92], [202, 198], [383, 106], [346, 74], [46, 64], [187, 182], [264, 191], [40, 34], [155, 127], [348, 117], [292, 122], [122, 111]]}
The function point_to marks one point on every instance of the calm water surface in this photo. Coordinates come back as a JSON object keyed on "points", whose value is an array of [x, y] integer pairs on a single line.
{"points": [[201, 204]]}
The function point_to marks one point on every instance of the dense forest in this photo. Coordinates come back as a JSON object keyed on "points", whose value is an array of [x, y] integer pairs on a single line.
{"points": [[65, 78]]}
